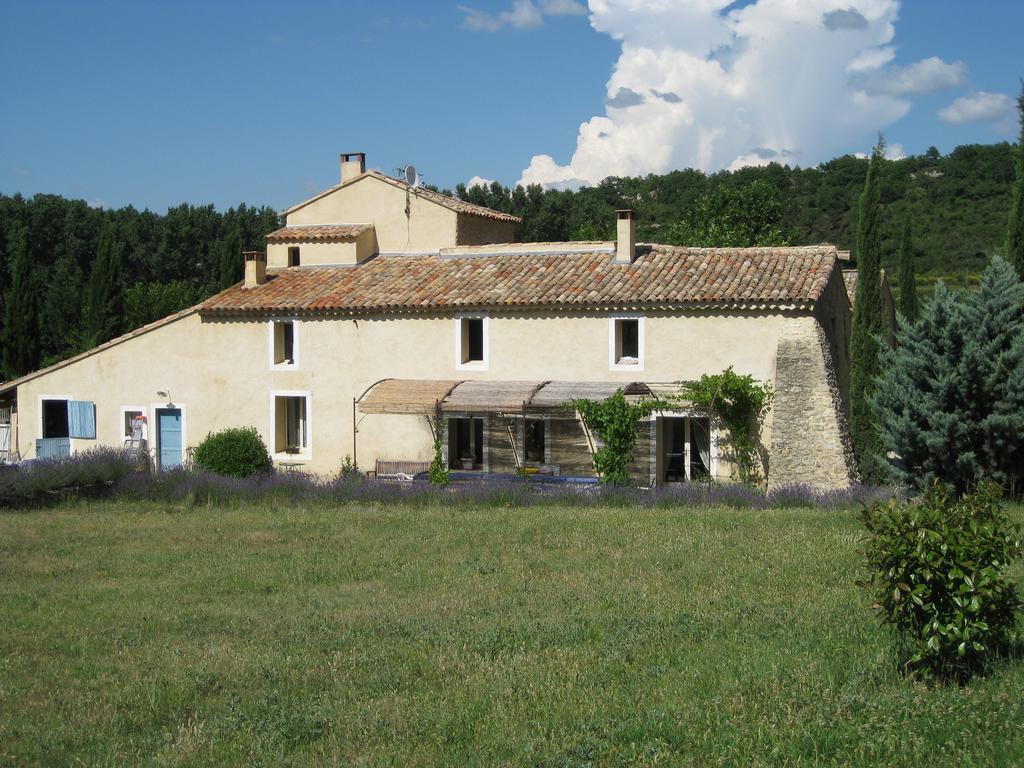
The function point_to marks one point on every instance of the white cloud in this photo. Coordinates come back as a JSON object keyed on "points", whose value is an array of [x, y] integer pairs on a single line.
{"points": [[978, 107], [522, 15], [925, 76], [894, 151], [563, 8], [479, 181], [772, 80]]}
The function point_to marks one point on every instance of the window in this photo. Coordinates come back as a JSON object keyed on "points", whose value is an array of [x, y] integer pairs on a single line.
{"points": [[283, 347], [291, 424], [293, 256], [687, 448], [626, 343], [466, 443], [471, 343], [128, 417], [536, 441], [55, 419]]}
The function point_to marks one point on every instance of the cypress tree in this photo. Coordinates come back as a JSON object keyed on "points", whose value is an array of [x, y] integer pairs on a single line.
{"points": [[905, 278], [231, 258], [21, 316], [867, 326], [1015, 228], [61, 318], [104, 308]]}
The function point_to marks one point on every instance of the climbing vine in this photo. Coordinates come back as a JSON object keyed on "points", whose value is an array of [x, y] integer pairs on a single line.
{"points": [[614, 419], [438, 471], [741, 403]]}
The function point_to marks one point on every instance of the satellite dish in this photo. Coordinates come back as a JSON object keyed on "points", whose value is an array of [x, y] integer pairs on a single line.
{"points": [[412, 177]]}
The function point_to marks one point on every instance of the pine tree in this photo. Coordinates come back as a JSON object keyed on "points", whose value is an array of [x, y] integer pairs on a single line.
{"points": [[906, 278], [231, 258], [950, 402], [867, 326], [21, 317], [104, 307], [1015, 228]]}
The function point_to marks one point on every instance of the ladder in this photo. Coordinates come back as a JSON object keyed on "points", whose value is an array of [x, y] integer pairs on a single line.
{"points": [[135, 441]]}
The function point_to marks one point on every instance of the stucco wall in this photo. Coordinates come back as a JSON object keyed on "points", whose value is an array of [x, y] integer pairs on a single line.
{"points": [[220, 372], [368, 200], [319, 253]]}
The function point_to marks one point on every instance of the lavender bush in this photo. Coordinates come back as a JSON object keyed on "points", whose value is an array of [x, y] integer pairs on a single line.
{"points": [[107, 471], [91, 472]]}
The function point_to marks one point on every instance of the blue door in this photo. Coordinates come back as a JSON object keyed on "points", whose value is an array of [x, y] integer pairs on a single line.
{"points": [[169, 435]]}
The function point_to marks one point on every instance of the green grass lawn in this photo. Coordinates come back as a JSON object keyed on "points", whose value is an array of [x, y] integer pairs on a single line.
{"points": [[165, 635]]}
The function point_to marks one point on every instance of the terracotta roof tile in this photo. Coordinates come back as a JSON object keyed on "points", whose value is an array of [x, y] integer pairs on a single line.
{"points": [[316, 232], [660, 276]]}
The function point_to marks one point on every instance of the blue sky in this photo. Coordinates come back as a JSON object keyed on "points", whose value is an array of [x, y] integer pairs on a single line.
{"points": [[159, 103]]}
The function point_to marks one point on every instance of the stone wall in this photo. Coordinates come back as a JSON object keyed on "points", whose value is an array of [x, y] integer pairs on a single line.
{"points": [[810, 438]]}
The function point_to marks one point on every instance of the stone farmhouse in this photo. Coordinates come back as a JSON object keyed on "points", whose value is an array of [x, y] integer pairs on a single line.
{"points": [[381, 310]]}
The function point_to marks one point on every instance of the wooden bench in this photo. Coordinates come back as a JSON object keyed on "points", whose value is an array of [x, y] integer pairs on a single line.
{"points": [[389, 469]]}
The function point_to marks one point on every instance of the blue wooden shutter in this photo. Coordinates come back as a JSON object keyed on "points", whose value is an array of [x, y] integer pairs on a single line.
{"points": [[53, 448], [82, 419]]}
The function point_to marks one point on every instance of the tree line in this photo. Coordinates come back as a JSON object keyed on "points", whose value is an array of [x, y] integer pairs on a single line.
{"points": [[958, 203], [75, 276]]}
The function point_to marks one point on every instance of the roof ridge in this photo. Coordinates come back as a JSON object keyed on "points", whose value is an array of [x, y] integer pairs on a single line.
{"points": [[449, 201], [659, 278]]}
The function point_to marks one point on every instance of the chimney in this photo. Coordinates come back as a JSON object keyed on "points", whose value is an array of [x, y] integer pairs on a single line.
{"points": [[625, 243], [353, 164], [255, 268]]}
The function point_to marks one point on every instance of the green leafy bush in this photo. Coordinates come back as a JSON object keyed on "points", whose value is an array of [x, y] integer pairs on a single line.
{"points": [[938, 573], [235, 452], [349, 471]]}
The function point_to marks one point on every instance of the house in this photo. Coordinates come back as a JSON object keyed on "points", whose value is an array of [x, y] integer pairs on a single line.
{"points": [[380, 305]]}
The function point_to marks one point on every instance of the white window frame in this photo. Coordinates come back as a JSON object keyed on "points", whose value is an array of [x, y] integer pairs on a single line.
{"points": [[120, 425], [154, 444], [271, 328], [475, 365], [613, 363], [714, 426], [307, 454], [39, 428]]}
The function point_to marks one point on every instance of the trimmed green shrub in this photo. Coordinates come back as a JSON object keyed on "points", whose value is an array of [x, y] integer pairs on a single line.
{"points": [[235, 452], [938, 574]]}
